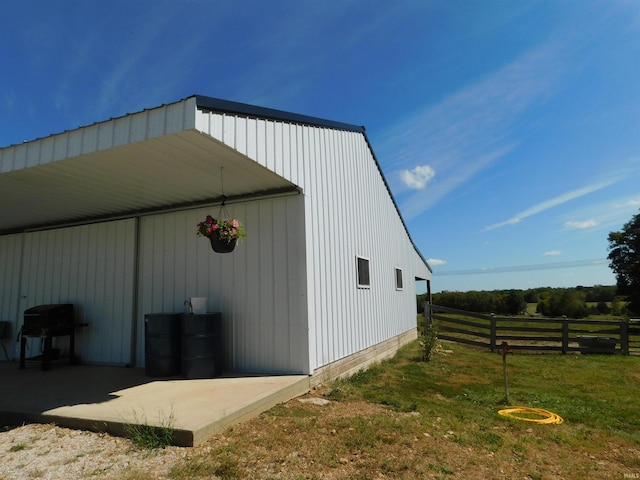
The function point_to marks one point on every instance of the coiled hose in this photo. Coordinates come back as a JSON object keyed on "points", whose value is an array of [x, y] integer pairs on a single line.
{"points": [[547, 417]]}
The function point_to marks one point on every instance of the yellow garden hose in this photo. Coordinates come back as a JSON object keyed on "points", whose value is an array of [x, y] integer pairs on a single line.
{"points": [[547, 417]]}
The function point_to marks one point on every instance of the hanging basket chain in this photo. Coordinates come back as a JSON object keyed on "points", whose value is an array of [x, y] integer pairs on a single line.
{"points": [[223, 214], [224, 231]]}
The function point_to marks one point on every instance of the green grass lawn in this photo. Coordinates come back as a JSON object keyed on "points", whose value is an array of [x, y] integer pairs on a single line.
{"points": [[596, 391], [409, 419]]}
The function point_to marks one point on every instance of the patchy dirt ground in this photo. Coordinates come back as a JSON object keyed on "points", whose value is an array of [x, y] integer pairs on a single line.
{"points": [[49, 452], [338, 440]]}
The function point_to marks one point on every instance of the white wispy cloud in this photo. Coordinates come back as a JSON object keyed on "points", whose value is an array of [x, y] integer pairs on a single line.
{"points": [[422, 200], [610, 214], [435, 262], [551, 203], [581, 225], [472, 128], [418, 177], [552, 253]]}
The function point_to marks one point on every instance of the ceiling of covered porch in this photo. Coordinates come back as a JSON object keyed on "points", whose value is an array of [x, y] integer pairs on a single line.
{"points": [[176, 170]]}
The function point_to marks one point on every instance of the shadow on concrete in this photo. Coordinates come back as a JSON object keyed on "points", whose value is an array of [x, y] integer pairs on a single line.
{"points": [[30, 391], [108, 398]]}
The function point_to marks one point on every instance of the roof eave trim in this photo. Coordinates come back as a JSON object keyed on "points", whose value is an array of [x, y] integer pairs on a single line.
{"points": [[244, 109]]}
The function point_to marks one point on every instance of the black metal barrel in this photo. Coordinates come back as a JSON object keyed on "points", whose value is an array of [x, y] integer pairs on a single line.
{"points": [[162, 344], [202, 345]]}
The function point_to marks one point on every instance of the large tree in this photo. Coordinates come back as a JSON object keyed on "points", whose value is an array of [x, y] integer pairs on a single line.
{"points": [[563, 301], [624, 254]]}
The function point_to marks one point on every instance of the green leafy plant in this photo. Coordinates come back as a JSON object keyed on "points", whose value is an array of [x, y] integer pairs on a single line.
{"points": [[429, 341]]}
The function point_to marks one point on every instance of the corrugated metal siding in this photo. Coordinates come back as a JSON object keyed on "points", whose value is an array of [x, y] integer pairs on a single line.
{"points": [[10, 260], [103, 169], [91, 266], [349, 213], [259, 288], [279, 318], [164, 120]]}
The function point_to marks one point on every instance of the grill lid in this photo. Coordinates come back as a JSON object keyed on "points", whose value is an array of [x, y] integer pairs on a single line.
{"points": [[41, 309]]}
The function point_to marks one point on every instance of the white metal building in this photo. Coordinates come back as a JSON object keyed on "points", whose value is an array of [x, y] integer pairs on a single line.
{"points": [[105, 217]]}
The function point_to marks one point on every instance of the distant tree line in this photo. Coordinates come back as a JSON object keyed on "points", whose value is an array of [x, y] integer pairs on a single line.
{"points": [[504, 302], [576, 302]]}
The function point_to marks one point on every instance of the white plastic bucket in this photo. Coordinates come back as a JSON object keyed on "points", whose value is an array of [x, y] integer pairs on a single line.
{"points": [[198, 305]]}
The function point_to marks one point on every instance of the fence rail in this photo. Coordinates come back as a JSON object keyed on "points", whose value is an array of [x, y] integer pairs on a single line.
{"points": [[563, 335]]}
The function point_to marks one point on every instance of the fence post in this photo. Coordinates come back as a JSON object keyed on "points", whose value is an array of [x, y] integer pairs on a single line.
{"points": [[426, 312], [492, 334], [565, 335], [624, 337]]}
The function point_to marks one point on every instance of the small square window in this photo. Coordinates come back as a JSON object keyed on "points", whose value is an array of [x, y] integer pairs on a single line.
{"points": [[398, 279], [363, 273]]}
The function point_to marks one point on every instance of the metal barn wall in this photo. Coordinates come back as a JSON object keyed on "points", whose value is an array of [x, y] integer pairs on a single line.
{"points": [[10, 260], [91, 266], [259, 287], [349, 213]]}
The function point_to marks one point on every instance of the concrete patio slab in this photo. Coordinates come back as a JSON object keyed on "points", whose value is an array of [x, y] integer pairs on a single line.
{"points": [[110, 398]]}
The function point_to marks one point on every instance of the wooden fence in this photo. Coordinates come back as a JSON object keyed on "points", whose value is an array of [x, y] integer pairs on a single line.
{"points": [[544, 334]]}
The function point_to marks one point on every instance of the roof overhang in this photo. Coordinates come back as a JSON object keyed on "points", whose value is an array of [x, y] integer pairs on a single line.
{"points": [[145, 162], [100, 176]]}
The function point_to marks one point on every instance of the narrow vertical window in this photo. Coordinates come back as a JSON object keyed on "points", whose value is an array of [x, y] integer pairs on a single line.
{"points": [[363, 272], [398, 279]]}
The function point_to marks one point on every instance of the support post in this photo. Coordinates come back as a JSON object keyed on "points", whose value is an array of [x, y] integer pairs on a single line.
{"points": [[505, 351], [428, 320], [624, 337], [492, 334]]}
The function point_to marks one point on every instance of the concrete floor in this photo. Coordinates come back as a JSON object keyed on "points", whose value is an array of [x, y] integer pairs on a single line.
{"points": [[109, 398]]}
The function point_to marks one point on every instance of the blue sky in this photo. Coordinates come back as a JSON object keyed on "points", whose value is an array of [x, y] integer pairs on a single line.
{"points": [[509, 132]]}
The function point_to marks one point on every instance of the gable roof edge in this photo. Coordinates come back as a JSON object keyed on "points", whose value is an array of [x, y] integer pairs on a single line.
{"points": [[395, 204], [244, 109]]}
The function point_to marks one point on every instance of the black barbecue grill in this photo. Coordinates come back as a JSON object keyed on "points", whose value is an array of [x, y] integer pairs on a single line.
{"points": [[46, 322]]}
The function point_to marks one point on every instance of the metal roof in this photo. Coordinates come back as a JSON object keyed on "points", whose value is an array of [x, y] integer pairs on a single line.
{"points": [[143, 162], [226, 106]]}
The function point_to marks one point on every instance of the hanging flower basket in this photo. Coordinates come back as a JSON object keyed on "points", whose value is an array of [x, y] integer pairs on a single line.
{"points": [[223, 234], [220, 245]]}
